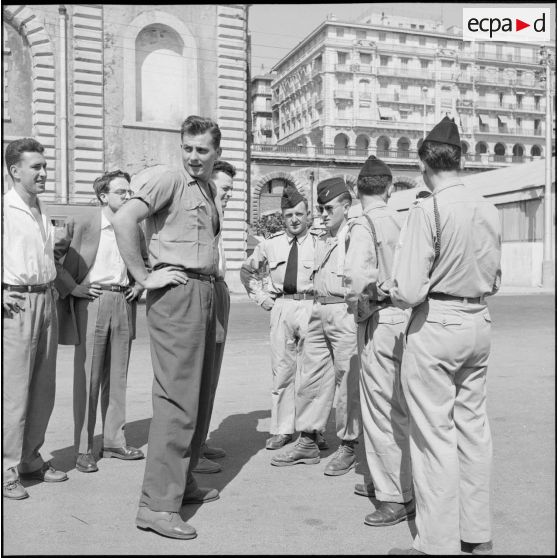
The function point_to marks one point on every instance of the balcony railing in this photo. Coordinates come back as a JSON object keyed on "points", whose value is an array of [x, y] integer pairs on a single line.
{"points": [[400, 154], [343, 94], [504, 106], [402, 72], [515, 131], [385, 98], [508, 57], [342, 68]]}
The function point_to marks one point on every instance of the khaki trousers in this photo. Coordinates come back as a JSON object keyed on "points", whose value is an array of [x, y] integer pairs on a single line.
{"points": [[181, 322], [288, 326], [222, 311], [385, 417], [444, 381], [330, 361], [101, 365], [30, 344]]}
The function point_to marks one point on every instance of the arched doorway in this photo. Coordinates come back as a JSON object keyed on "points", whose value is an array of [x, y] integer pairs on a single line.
{"points": [[362, 143], [382, 146], [536, 151], [499, 152], [340, 144], [403, 146]]}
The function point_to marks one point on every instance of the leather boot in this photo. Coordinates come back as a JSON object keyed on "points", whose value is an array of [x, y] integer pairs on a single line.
{"points": [[343, 460], [390, 513], [304, 451]]}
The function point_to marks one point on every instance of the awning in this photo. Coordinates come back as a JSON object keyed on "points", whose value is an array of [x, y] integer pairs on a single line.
{"points": [[386, 112], [503, 119], [483, 118]]}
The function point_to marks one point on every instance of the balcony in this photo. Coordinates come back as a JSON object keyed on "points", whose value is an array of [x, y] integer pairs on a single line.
{"points": [[404, 156], [344, 68], [516, 131], [316, 71], [506, 106], [342, 94], [500, 57], [365, 95], [401, 72], [384, 98]]}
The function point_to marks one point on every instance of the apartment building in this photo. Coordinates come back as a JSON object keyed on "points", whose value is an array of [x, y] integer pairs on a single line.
{"points": [[379, 84]]}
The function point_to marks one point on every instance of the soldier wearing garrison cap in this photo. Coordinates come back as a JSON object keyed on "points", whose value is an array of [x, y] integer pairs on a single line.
{"points": [[381, 327], [284, 261], [447, 262], [330, 351]]}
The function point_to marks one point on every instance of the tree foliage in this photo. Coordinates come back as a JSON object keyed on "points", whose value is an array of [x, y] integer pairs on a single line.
{"points": [[268, 225]]}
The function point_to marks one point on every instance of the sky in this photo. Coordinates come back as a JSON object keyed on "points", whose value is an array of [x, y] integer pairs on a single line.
{"points": [[277, 28]]}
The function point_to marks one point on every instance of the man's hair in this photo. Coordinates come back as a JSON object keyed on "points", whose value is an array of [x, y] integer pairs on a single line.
{"points": [[223, 166], [373, 185], [102, 183], [16, 148], [197, 125], [440, 156]]}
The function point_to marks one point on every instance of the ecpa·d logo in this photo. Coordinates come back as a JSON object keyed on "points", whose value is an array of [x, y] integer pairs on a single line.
{"points": [[525, 25]]}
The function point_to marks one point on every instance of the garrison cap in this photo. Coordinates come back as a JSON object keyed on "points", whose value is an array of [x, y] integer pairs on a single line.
{"points": [[291, 197], [331, 188], [445, 132], [374, 167], [423, 194]]}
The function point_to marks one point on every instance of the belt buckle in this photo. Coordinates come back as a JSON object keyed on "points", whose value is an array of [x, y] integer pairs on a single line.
{"points": [[29, 287]]}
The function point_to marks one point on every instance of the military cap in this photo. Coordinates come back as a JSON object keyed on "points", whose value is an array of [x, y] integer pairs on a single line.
{"points": [[291, 197], [423, 194], [445, 132], [374, 167], [331, 188]]}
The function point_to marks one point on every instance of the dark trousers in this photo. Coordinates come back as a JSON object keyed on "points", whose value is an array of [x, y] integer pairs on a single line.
{"points": [[222, 310], [181, 322]]}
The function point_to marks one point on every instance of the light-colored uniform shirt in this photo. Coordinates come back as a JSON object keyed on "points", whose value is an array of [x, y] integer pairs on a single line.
{"points": [[269, 260], [109, 267], [470, 247], [363, 271], [181, 222], [329, 264], [28, 259], [222, 267]]}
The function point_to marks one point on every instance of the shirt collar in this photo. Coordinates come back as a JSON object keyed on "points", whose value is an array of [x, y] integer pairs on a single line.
{"points": [[375, 205], [15, 200], [105, 224], [300, 238]]}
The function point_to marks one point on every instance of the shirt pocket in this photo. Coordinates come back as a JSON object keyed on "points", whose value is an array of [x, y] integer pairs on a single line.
{"points": [[444, 319], [391, 318], [186, 223], [277, 270]]}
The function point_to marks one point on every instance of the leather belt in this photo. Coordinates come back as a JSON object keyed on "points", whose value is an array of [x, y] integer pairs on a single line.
{"points": [[115, 288], [443, 296], [191, 274], [329, 299], [41, 288], [297, 296]]}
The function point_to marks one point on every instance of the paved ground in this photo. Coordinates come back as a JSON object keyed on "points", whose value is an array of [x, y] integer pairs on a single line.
{"points": [[294, 510]]}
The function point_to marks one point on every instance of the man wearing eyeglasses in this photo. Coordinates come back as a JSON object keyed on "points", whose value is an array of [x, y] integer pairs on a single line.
{"points": [[96, 311], [330, 361]]}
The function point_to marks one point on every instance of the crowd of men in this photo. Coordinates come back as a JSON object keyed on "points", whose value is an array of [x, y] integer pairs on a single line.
{"points": [[383, 319]]}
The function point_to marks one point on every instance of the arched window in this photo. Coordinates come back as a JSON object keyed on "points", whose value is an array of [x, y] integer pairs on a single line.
{"points": [[518, 151], [536, 151], [382, 146], [499, 152], [341, 142], [160, 58], [362, 143], [160, 96], [481, 147], [464, 148], [403, 145]]}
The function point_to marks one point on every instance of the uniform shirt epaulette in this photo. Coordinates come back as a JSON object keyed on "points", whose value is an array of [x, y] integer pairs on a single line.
{"points": [[317, 232], [278, 233]]}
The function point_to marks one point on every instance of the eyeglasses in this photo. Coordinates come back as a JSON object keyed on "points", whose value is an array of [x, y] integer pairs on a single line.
{"points": [[122, 192], [327, 208]]}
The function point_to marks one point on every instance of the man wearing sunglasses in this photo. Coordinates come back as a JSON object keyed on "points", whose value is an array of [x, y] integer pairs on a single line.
{"points": [[330, 352], [97, 314]]}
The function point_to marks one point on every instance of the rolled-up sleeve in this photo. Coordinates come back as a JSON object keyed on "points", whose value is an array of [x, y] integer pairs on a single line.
{"points": [[158, 191]]}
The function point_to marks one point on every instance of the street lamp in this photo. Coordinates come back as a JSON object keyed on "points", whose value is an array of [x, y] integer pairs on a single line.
{"points": [[547, 264], [424, 92]]}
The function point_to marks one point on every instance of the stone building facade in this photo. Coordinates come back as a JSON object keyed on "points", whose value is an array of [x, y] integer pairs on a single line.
{"points": [[106, 86]]}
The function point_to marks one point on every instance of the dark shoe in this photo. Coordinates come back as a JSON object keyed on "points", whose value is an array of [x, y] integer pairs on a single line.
{"points": [[405, 552], [14, 490], [342, 462], [478, 549], [168, 524], [367, 489], [46, 473], [125, 452], [207, 466], [390, 513], [320, 440], [278, 441], [212, 453], [85, 463], [200, 496], [306, 452]]}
